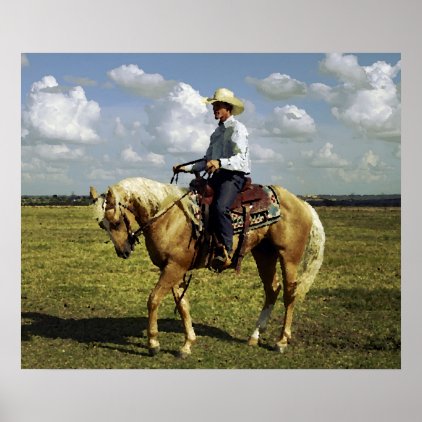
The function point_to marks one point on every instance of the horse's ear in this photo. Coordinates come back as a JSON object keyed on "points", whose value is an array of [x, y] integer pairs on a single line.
{"points": [[93, 194], [110, 198], [112, 211]]}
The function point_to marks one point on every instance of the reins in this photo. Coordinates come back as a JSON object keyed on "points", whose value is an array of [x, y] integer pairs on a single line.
{"points": [[135, 235], [175, 178], [183, 293]]}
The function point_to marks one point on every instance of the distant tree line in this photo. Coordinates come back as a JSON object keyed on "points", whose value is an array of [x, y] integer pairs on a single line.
{"points": [[55, 200], [354, 200], [314, 200]]}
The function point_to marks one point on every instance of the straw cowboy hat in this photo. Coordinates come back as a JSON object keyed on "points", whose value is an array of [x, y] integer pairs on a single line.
{"points": [[226, 96]]}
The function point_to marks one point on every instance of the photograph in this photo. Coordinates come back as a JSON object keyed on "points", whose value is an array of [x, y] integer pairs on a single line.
{"points": [[178, 208]]}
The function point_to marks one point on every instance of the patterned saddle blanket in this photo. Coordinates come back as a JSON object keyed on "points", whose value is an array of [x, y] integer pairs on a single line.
{"points": [[261, 201], [263, 212]]}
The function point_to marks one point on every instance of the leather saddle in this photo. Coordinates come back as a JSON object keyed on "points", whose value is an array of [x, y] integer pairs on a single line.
{"points": [[251, 200], [251, 195]]}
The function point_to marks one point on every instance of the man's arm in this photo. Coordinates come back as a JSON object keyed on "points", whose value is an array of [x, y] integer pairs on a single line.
{"points": [[191, 167]]}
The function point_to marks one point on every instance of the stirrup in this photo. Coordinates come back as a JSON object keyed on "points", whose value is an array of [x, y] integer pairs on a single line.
{"points": [[221, 261]]}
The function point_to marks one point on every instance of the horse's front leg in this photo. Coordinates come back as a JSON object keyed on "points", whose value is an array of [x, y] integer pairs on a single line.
{"points": [[170, 277], [184, 311]]}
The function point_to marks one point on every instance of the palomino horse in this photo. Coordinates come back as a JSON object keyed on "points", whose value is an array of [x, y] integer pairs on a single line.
{"points": [[162, 210]]}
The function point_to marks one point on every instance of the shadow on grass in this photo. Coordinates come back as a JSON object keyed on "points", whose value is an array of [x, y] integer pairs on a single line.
{"points": [[113, 333]]}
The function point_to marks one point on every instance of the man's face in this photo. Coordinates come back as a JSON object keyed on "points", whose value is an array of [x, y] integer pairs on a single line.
{"points": [[220, 111]]}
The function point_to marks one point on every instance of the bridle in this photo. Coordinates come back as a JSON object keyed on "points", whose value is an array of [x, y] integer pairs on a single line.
{"points": [[133, 236], [132, 239]]}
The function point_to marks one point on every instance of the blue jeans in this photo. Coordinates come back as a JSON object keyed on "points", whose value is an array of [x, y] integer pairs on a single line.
{"points": [[226, 184]]}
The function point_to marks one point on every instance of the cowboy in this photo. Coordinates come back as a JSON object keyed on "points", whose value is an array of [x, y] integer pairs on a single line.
{"points": [[227, 159]]}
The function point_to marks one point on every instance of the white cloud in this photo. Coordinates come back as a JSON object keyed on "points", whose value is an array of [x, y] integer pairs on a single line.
{"points": [[37, 165], [119, 128], [37, 170], [381, 74], [57, 179], [375, 113], [135, 80], [135, 127], [277, 86], [130, 156], [369, 169], [289, 122], [58, 152], [179, 123], [51, 115], [325, 158], [368, 100], [370, 160], [102, 174], [155, 159], [346, 68], [260, 154], [325, 92]]}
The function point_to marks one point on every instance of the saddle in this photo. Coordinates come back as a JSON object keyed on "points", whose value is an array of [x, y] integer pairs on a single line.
{"points": [[251, 194], [253, 200]]}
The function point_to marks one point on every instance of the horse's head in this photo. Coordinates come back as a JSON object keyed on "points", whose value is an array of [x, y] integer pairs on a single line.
{"points": [[115, 220]]}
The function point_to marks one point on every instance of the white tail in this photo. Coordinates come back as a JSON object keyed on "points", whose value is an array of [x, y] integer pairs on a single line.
{"points": [[312, 257]]}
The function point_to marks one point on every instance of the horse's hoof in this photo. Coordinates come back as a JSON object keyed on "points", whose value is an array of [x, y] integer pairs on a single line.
{"points": [[253, 341], [182, 355], [153, 351], [280, 348]]}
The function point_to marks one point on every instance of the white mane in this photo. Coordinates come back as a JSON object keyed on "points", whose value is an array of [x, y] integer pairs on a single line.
{"points": [[148, 190], [153, 196]]}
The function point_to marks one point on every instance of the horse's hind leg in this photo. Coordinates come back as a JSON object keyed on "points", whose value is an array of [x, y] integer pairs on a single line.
{"points": [[289, 270], [184, 311], [266, 260]]}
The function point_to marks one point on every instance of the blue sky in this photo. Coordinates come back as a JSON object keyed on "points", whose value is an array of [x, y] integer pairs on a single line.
{"points": [[318, 123]]}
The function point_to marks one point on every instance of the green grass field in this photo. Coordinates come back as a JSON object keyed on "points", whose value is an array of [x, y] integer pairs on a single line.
{"points": [[83, 307]]}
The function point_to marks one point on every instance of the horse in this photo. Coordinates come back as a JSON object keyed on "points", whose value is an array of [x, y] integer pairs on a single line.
{"points": [[164, 216]]}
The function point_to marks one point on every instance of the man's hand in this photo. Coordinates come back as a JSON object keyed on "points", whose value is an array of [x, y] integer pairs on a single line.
{"points": [[212, 166]]}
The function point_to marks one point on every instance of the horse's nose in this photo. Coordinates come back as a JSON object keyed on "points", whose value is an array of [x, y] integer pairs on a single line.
{"points": [[127, 251], [123, 254]]}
